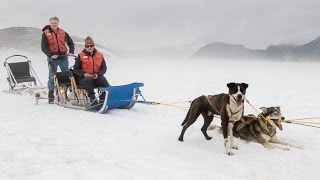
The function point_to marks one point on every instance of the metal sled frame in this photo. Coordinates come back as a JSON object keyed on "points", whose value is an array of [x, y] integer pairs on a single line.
{"points": [[21, 80]]}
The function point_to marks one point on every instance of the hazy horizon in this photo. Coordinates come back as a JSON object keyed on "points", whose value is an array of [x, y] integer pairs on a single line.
{"points": [[173, 27]]}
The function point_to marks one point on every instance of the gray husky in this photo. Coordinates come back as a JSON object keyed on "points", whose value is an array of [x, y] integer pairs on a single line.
{"points": [[258, 129]]}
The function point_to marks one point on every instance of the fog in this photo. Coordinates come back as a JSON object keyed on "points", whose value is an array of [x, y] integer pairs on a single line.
{"points": [[174, 27]]}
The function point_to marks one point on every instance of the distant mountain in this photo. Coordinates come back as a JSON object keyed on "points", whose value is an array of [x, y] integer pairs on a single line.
{"points": [[29, 39], [220, 50], [224, 50], [310, 50]]}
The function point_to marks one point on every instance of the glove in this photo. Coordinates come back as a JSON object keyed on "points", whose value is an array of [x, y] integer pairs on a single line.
{"points": [[54, 57], [87, 75], [95, 76]]}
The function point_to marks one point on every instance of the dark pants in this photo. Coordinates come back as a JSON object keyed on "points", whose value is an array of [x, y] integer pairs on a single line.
{"points": [[89, 85]]}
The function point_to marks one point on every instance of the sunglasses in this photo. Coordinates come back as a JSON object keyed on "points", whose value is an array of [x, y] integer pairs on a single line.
{"points": [[90, 45]]}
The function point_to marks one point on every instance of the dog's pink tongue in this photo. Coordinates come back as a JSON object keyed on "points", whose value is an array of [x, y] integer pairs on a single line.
{"points": [[280, 127], [239, 102]]}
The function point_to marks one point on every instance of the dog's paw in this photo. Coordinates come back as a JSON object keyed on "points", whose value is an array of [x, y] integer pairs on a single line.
{"points": [[180, 139], [286, 149], [235, 147], [298, 147], [208, 138], [230, 153], [295, 146]]}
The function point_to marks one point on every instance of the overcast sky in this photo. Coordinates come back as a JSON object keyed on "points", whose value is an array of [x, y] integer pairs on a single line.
{"points": [[177, 25]]}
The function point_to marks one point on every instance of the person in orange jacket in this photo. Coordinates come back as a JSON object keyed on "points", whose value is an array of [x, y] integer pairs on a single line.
{"points": [[54, 44], [90, 68]]}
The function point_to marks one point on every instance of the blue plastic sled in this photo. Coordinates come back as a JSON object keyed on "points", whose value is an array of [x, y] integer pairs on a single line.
{"points": [[123, 97]]}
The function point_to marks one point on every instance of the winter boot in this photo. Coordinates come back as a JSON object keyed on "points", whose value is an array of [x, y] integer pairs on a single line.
{"points": [[50, 97]]}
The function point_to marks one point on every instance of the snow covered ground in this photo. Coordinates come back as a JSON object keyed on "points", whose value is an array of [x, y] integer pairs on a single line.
{"points": [[50, 142]]}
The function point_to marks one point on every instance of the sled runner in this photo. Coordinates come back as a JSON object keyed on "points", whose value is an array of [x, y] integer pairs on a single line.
{"points": [[21, 75]]}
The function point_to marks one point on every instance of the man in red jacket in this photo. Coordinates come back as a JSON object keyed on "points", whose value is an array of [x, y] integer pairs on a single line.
{"points": [[90, 68], [53, 44]]}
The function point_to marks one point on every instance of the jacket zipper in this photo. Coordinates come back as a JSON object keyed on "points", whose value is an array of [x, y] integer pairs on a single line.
{"points": [[92, 64], [57, 41]]}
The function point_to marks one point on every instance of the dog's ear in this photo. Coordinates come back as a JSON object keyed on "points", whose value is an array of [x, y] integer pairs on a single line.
{"points": [[231, 84], [264, 110], [245, 85], [278, 108]]}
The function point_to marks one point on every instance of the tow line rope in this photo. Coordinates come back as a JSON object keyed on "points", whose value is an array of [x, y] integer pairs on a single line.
{"points": [[298, 121]]}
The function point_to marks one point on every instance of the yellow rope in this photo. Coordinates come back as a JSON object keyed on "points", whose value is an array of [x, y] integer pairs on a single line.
{"points": [[305, 122], [266, 119], [172, 105], [289, 120], [181, 102], [299, 119]]}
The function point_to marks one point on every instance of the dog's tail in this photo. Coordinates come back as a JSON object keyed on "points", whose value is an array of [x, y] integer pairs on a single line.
{"points": [[187, 116]]}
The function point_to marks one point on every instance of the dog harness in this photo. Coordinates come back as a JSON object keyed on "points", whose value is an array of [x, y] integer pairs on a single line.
{"points": [[233, 113]]}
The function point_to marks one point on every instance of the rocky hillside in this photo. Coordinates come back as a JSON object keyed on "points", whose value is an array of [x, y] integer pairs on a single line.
{"points": [[29, 39]]}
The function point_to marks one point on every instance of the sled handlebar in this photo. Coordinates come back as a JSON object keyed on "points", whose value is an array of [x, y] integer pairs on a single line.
{"points": [[16, 55]]}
